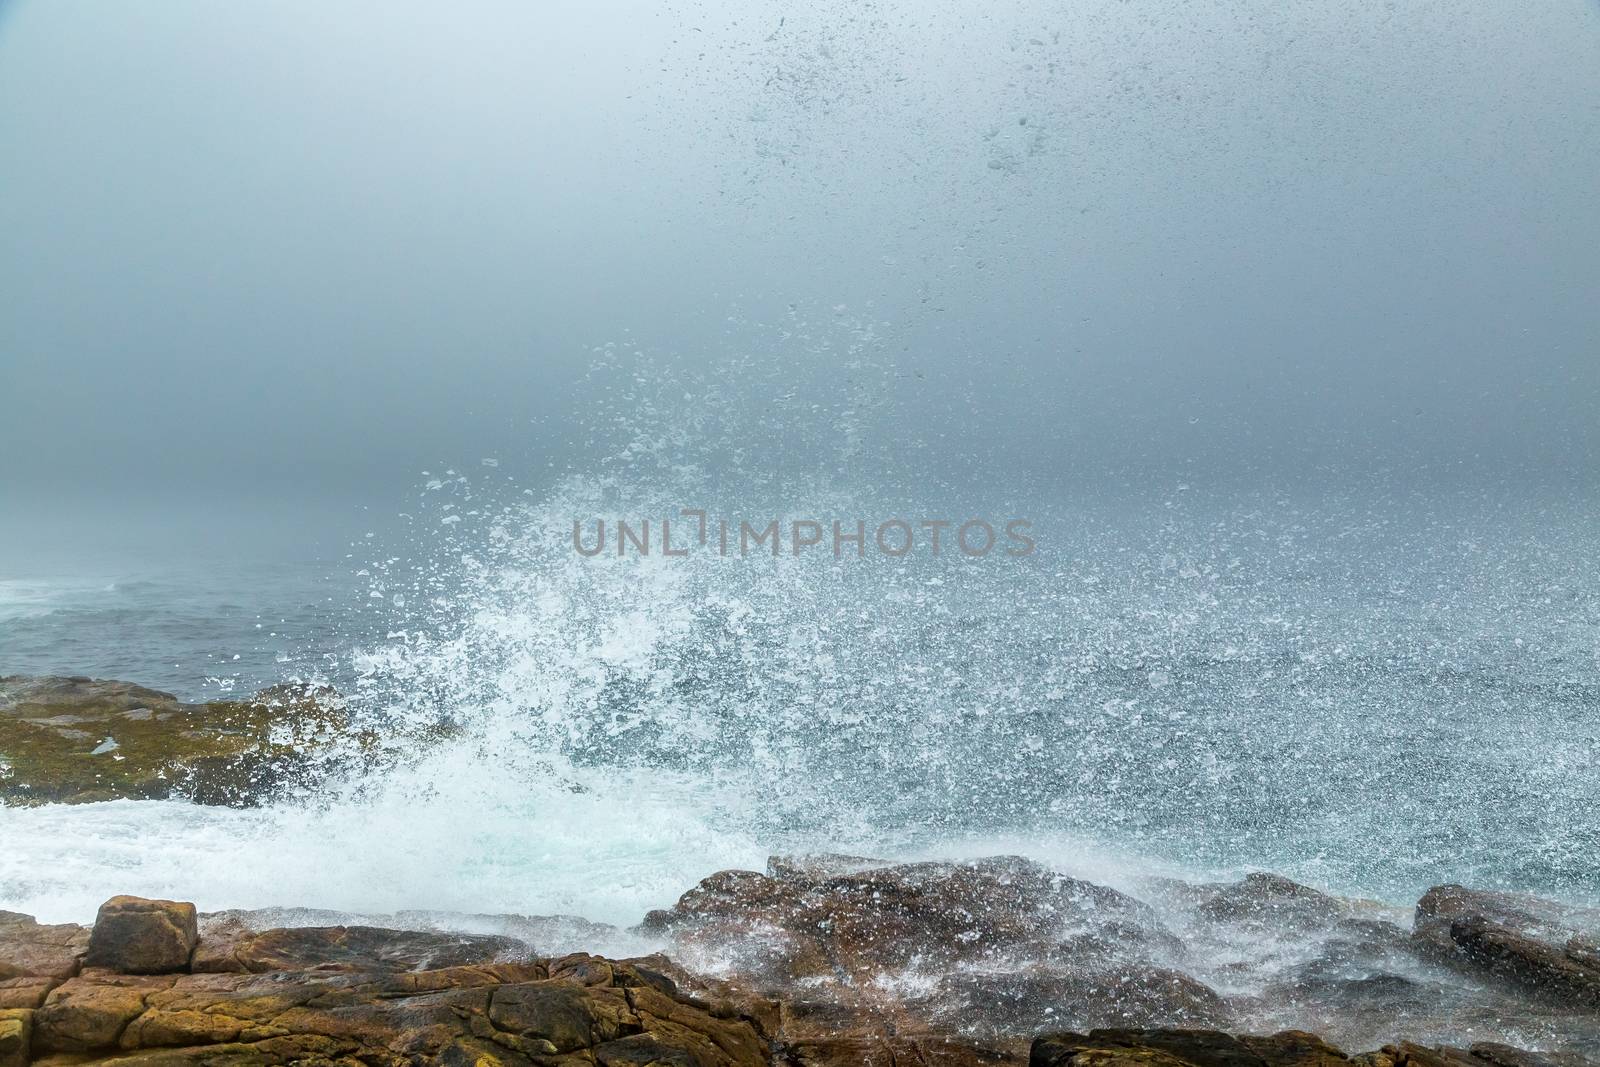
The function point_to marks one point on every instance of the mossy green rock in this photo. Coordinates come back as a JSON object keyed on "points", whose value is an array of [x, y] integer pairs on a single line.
{"points": [[16, 1034], [75, 740]]}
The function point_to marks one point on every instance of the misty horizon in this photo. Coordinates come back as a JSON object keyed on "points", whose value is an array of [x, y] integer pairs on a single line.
{"points": [[1330, 248]]}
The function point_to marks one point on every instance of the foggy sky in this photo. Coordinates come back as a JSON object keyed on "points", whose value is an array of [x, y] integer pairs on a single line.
{"points": [[310, 248]]}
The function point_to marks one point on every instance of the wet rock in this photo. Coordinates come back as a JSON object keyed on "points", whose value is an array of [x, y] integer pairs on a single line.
{"points": [[949, 964], [1269, 900], [76, 740], [1495, 1054], [550, 935], [31, 950], [1584, 950], [88, 1013], [230, 946], [974, 957], [1538, 946], [1352, 982], [820, 865], [366, 995], [1409, 1054], [1289, 957], [1293, 1048], [1540, 968], [1529, 915], [133, 935], [1182, 1048], [896, 1050], [1029, 1002], [919, 915], [1481, 1054]]}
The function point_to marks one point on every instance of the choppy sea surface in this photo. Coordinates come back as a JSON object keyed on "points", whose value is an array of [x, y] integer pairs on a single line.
{"points": [[1370, 692]]}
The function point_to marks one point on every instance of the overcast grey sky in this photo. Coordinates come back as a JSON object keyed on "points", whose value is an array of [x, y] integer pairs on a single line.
{"points": [[312, 249]]}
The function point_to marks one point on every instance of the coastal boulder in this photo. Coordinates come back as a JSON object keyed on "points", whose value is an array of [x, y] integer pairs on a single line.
{"points": [[1535, 965], [1267, 901], [1537, 946], [932, 962], [863, 922], [133, 935]]}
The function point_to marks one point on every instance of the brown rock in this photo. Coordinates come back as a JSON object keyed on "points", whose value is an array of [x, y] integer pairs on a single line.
{"points": [[25, 992], [1028, 1002], [974, 955], [886, 1050], [730, 1034], [1537, 946], [133, 935], [1183, 1048], [557, 1016], [89, 1013], [580, 1010], [1495, 1054], [232, 947], [1532, 964], [1294, 1048], [929, 915], [820, 865], [1119, 1057], [1409, 1054], [1527, 915], [1269, 900], [1378, 1058], [1585, 950], [31, 950], [478, 1052]]}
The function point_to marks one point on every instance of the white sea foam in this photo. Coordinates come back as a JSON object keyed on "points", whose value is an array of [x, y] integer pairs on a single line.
{"points": [[475, 845], [607, 854]]}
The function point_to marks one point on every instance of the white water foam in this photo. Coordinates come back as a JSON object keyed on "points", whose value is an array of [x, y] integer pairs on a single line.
{"points": [[474, 846]]}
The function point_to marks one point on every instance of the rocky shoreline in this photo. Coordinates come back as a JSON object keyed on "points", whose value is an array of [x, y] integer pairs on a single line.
{"points": [[816, 961], [819, 962]]}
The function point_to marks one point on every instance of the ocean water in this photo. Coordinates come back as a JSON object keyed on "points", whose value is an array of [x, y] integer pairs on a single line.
{"points": [[1369, 691], [201, 630]]}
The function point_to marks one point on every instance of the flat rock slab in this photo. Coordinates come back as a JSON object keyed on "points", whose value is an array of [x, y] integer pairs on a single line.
{"points": [[29, 949], [77, 740], [236, 948]]}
